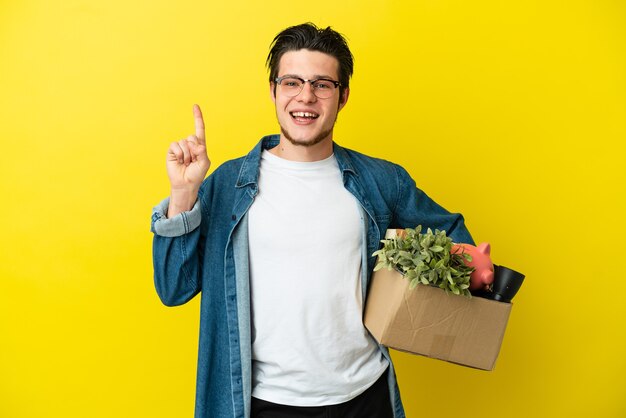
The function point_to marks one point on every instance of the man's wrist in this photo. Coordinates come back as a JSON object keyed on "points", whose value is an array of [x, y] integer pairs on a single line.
{"points": [[181, 201]]}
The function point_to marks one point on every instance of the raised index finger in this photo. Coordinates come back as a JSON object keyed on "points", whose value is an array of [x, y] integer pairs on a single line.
{"points": [[199, 122]]}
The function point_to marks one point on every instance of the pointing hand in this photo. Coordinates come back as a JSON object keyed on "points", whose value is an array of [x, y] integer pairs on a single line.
{"points": [[187, 164]]}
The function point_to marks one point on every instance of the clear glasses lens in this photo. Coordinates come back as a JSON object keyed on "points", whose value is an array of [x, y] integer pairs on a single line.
{"points": [[323, 89]]}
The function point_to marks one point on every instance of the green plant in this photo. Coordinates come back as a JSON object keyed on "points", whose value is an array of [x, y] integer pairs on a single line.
{"points": [[427, 259]]}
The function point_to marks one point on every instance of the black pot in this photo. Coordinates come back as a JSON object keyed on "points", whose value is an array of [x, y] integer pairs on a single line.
{"points": [[506, 283]]}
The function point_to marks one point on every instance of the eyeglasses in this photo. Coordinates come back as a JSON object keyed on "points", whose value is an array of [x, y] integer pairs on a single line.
{"points": [[291, 86]]}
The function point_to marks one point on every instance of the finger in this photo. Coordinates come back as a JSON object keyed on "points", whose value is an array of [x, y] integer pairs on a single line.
{"points": [[175, 153], [186, 153], [199, 122], [198, 152], [193, 144]]}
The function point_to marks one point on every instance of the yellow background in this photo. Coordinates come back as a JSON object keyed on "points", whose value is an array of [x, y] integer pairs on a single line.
{"points": [[513, 113]]}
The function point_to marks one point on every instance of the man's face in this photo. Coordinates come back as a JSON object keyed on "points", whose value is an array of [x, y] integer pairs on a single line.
{"points": [[320, 114]]}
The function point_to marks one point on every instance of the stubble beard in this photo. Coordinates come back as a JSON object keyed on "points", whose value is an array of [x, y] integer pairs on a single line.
{"points": [[309, 143]]}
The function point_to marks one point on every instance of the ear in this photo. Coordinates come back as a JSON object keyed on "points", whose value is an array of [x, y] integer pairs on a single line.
{"points": [[484, 248], [344, 99], [273, 92]]}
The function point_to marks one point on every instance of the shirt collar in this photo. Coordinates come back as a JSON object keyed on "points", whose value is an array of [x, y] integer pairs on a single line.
{"points": [[249, 172]]}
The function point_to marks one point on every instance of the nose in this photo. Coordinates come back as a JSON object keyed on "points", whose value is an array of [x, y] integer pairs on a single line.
{"points": [[306, 94]]}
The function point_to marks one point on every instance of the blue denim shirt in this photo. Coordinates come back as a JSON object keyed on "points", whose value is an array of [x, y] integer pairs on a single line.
{"points": [[206, 250]]}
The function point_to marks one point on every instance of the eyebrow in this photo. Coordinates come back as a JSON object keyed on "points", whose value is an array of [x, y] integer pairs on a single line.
{"points": [[315, 77]]}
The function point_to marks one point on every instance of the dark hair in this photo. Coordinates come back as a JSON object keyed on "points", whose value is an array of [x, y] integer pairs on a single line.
{"points": [[308, 36]]}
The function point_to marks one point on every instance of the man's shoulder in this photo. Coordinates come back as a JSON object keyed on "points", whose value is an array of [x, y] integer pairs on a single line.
{"points": [[225, 176], [238, 171], [230, 167], [364, 162], [247, 164]]}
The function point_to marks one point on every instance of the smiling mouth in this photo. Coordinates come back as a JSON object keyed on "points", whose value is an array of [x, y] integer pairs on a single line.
{"points": [[304, 115]]}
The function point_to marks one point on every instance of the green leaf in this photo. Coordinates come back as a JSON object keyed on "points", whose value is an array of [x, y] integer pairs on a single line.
{"points": [[413, 283], [425, 258], [422, 267]]}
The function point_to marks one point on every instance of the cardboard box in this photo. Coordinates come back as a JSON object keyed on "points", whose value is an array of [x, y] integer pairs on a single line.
{"points": [[433, 323]]}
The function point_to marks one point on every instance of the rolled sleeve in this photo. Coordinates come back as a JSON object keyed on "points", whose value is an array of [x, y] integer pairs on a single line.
{"points": [[181, 224]]}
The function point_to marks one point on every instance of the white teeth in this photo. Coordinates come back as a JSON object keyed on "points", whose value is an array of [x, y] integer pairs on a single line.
{"points": [[303, 115]]}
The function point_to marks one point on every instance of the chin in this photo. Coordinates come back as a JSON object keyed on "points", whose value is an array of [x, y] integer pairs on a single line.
{"points": [[308, 141]]}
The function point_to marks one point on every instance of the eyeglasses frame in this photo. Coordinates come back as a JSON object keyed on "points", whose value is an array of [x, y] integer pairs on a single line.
{"points": [[278, 80]]}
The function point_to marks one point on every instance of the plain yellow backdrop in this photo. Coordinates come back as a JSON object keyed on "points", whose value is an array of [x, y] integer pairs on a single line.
{"points": [[513, 113]]}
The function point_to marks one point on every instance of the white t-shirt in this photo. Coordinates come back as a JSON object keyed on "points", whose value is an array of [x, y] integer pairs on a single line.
{"points": [[309, 345]]}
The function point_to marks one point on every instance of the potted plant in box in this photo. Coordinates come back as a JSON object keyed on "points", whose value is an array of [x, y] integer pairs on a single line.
{"points": [[427, 258]]}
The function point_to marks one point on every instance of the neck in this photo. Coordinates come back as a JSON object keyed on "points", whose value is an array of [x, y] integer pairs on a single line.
{"points": [[304, 153]]}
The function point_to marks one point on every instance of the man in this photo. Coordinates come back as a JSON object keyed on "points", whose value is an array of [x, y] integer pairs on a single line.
{"points": [[279, 242]]}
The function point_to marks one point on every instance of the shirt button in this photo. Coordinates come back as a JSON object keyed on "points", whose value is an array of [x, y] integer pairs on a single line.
{"points": [[234, 218]]}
